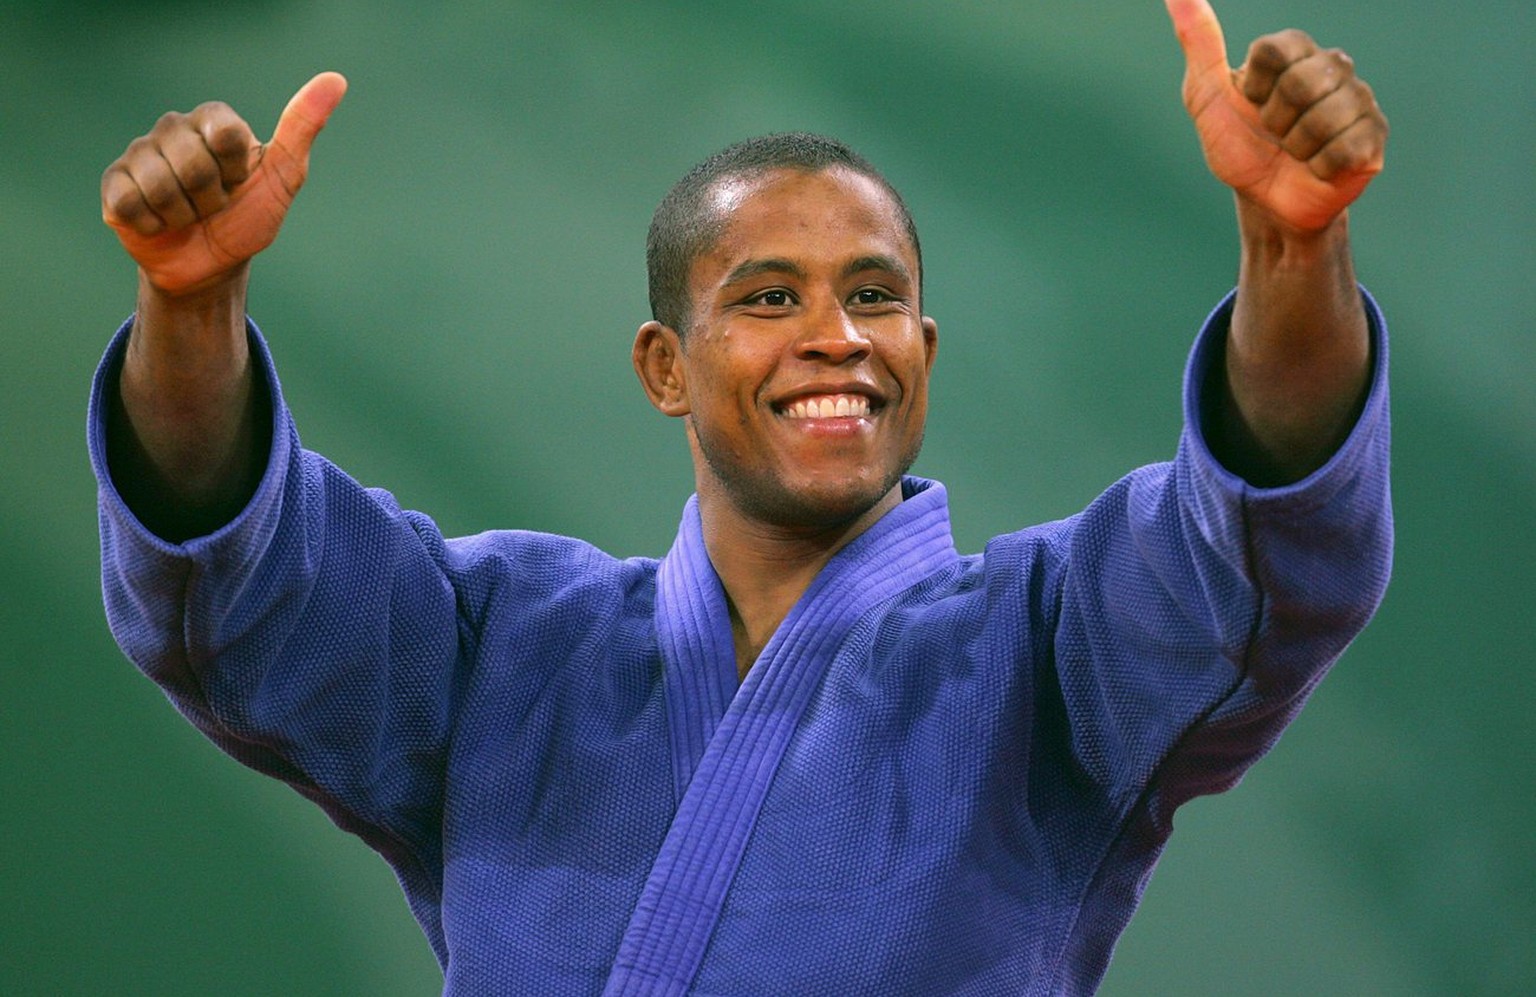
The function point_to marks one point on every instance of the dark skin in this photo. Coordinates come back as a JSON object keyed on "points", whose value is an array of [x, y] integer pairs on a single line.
{"points": [[809, 298], [1293, 132], [192, 202], [1297, 136]]}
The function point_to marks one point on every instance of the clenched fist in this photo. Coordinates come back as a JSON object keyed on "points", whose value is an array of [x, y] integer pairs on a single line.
{"points": [[198, 196], [1293, 130]]}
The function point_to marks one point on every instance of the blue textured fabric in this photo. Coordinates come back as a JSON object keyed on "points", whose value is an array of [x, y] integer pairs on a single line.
{"points": [[946, 774]]}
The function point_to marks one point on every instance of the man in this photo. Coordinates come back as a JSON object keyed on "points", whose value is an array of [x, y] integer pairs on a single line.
{"points": [[812, 750]]}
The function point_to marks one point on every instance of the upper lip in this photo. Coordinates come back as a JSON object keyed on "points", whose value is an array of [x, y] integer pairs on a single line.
{"points": [[818, 388]]}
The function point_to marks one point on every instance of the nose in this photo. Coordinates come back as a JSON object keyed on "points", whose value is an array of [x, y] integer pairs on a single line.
{"points": [[832, 336]]}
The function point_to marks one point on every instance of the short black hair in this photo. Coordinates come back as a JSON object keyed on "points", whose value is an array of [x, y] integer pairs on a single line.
{"points": [[685, 225]]}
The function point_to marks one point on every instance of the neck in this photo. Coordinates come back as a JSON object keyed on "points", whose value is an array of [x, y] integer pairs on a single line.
{"points": [[765, 568]]}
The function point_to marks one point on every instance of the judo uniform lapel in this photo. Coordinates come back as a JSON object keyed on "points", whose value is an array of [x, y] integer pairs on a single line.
{"points": [[725, 748]]}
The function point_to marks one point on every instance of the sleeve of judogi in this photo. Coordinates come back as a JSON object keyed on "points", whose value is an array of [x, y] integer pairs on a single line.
{"points": [[315, 637], [1197, 612]]}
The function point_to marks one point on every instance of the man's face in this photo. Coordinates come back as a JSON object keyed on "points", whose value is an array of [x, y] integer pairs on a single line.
{"points": [[805, 369]]}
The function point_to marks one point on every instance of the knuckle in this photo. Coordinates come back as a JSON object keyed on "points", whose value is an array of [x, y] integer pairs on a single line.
{"points": [[1351, 151], [1366, 97], [138, 148], [123, 204], [1302, 89], [1314, 128], [161, 196], [111, 179], [1361, 146], [1266, 52], [1297, 40], [1278, 116], [222, 130], [1280, 49], [169, 121], [1333, 160], [197, 173], [1339, 66], [226, 138]]}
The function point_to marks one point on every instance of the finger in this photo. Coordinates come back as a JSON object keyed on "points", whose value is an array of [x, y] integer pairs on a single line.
{"points": [[1200, 37], [229, 140], [163, 192], [195, 169], [123, 204], [1358, 150], [162, 196], [1303, 85], [1318, 125], [1268, 58], [303, 118]]}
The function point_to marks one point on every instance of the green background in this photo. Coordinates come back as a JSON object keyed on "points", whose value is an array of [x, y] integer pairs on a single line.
{"points": [[451, 306]]}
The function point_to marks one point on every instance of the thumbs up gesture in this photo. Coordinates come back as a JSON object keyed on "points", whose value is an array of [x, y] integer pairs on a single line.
{"points": [[198, 196], [1293, 130]]}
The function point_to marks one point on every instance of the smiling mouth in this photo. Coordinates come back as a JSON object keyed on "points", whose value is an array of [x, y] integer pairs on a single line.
{"points": [[828, 407]]}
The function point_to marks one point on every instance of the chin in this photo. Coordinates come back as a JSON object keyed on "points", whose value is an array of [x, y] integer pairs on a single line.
{"points": [[795, 493], [817, 504]]}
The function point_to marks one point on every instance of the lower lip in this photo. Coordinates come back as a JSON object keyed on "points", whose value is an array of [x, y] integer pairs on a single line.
{"points": [[836, 426]]}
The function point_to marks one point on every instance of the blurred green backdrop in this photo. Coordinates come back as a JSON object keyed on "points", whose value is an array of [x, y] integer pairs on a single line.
{"points": [[451, 306]]}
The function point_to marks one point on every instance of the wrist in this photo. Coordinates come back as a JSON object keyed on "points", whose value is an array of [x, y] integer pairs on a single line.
{"points": [[1267, 240], [1275, 255], [189, 322], [217, 291], [187, 344]]}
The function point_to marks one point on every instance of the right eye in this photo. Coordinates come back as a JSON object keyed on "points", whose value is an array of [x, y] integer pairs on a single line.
{"points": [[775, 297]]}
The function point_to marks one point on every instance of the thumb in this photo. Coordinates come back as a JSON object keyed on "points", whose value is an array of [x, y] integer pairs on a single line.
{"points": [[306, 114], [1205, 49]]}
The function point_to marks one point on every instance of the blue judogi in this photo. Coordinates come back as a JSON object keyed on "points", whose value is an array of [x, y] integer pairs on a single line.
{"points": [[944, 774]]}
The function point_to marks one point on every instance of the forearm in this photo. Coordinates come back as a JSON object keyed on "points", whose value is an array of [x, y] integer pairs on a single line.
{"points": [[1298, 354], [189, 427]]}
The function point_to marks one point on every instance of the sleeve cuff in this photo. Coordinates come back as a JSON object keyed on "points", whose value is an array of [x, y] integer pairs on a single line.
{"points": [[1321, 485], [264, 505]]}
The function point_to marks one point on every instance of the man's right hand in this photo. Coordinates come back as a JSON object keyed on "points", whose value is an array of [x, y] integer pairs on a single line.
{"points": [[198, 196], [188, 431]]}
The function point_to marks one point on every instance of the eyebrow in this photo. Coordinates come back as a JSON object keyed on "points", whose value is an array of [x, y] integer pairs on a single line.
{"points": [[752, 268], [879, 261], [777, 265]]}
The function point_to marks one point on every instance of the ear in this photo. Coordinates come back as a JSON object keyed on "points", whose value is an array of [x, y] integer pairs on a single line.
{"points": [[930, 340], [658, 360]]}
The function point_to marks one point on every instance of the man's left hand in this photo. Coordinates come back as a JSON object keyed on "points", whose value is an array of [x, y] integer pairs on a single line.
{"points": [[1293, 131]]}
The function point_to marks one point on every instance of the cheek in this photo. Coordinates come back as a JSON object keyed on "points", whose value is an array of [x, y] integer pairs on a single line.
{"points": [[735, 383], [911, 369], [725, 400], [917, 418]]}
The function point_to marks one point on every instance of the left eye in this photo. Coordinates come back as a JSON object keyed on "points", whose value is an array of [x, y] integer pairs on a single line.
{"points": [[869, 296]]}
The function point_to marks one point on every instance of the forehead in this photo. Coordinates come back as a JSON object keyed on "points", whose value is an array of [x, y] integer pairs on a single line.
{"points": [[827, 216]]}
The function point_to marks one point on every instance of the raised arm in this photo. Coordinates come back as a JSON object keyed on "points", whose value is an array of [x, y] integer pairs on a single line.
{"points": [[1297, 136], [192, 201]]}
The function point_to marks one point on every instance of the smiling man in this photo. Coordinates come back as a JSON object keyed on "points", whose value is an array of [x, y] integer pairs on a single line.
{"points": [[798, 352], [813, 749]]}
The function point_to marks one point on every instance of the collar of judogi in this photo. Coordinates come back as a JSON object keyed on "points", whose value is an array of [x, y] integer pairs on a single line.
{"points": [[907, 544], [727, 742]]}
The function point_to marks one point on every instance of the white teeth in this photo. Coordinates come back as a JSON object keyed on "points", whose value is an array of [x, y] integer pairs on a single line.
{"points": [[829, 407]]}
